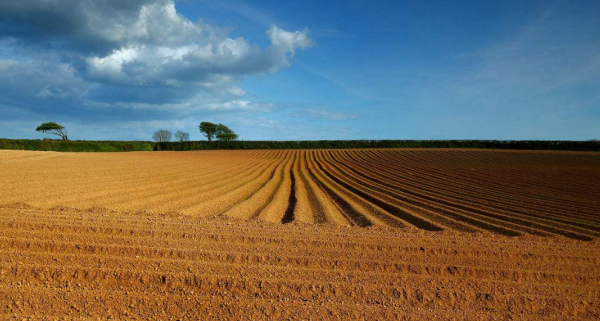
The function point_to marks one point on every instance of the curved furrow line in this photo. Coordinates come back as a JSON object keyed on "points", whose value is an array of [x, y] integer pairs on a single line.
{"points": [[288, 216], [564, 190], [462, 186], [535, 160], [538, 222], [438, 185], [482, 196], [400, 203], [158, 191], [524, 158], [456, 181], [257, 200], [540, 182], [324, 209], [516, 222], [427, 187], [349, 208], [511, 196], [137, 200], [388, 212], [181, 196], [376, 209], [274, 203], [453, 218], [305, 205], [109, 170], [458, 166], [219, 200], [140, 181], [499, 181]]}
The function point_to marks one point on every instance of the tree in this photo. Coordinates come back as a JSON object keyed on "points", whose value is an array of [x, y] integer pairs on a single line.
{"points": [[162, 135], [209, 130], [182, 136], [226, 134], [54, 129]]}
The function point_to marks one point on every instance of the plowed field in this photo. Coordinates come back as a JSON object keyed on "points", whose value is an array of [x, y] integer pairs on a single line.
{"points": [[350, 234]]}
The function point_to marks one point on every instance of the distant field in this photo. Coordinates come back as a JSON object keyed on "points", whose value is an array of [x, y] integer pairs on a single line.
{"points": [[510, 193], [275, 234]]}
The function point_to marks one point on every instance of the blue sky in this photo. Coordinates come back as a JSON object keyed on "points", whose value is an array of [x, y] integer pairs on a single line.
{"points": [[109, 69]]}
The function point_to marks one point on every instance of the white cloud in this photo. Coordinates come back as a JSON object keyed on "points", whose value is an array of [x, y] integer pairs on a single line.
{"points": [[100, 25], [289, 41], [143, 52], [241, 105], [236, 91], [111, 67], [208, 60]]}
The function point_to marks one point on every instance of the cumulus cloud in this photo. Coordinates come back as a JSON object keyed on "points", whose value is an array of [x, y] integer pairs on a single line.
{"points": [[135, 52], [205, 60], [95, 26]]}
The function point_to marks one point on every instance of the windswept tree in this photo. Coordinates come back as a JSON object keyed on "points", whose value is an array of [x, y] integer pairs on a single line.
{"points": [[162, 135], [209, 130], [182, 136], [53, 129], [226, 134]]}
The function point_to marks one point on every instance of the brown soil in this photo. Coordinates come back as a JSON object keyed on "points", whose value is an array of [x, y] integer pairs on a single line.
{"points": [[358, 234]]}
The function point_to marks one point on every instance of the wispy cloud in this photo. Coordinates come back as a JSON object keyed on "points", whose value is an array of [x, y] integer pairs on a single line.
{"points": [[541, 63], [312, 113], [241, 105], [347, 87]]}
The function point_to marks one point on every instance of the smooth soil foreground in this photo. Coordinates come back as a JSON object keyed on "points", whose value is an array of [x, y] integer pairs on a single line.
{"points": [[343, 234]]}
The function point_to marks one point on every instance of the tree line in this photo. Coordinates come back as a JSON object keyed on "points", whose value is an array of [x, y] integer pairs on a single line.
{"points": [[227, 139], [210, 130], [65, 145]]}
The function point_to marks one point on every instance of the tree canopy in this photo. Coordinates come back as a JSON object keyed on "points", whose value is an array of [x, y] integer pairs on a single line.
{"points": [[218, 131], [53, 129], [162, 135], [182, 136], [226, 134], [209, 130]]}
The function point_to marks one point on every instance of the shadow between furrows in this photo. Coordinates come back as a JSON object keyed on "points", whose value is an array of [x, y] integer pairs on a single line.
{"points": [[351, 214], [416, 221], [289, 213]]}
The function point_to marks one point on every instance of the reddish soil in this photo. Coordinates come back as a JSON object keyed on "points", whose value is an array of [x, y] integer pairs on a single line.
{"points": [[351, 234]]}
